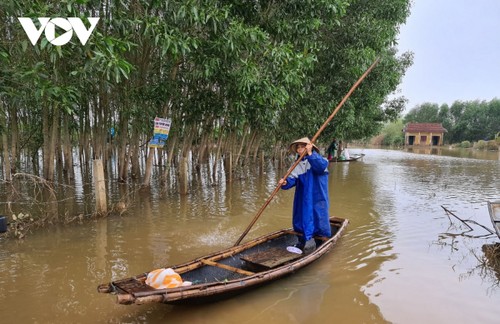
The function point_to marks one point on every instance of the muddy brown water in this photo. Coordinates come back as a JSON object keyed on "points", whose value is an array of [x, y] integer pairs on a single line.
{"points": [[402, 259]]}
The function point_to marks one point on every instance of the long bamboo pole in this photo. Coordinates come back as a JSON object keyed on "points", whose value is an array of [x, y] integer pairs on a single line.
{"points": [[315, 137]]}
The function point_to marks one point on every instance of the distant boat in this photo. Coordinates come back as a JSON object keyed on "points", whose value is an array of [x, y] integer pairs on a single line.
{"points": [[352, 158], [494, 208], [228, 272]]}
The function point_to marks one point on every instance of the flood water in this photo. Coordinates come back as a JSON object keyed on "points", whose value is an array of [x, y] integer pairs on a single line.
{"points": [[402, 259]]}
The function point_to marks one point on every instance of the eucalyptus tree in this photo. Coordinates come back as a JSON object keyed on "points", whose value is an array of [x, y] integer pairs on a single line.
{"points": [[368, 30]]}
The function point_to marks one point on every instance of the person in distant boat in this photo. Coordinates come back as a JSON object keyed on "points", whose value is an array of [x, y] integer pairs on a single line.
{"points": [[340, 151], [310, 202], [347, 155], [332, 149]]}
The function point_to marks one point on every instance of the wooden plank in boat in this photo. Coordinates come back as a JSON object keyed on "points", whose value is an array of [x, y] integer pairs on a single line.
{"points": [[224, 266], [271, 258]]}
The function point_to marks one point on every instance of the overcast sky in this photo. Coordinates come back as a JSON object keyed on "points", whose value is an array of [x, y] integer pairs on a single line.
{"points": [[456, 44]]}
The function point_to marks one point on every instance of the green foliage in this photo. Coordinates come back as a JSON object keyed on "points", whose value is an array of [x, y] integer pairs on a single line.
{"points": [[480, 145], [393, 134], [425, 113], [465, 144]]}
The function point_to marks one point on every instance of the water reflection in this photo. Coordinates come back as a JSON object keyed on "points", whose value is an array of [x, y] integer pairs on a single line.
{"points": [[454, 152]]}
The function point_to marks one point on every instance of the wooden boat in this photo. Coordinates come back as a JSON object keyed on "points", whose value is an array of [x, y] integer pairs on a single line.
{"points": [[228, 272], [494, 209], [353, 157]]}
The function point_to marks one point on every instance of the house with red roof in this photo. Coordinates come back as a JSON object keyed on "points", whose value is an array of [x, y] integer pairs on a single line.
{"points": [[424, 134]]}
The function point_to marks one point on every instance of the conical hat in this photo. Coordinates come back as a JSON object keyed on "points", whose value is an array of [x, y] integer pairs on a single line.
{"points": [[303, 140]]}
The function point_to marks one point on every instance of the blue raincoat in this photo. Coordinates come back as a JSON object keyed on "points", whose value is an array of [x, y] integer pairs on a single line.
{"points": [[310, 203]]}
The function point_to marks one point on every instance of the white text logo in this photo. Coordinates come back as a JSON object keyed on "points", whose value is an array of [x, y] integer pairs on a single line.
{"points": [[49, 25]]}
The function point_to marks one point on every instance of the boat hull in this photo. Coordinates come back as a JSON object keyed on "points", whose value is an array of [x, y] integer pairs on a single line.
{"points": [[494, 209], [229, 272], [353, 158]]}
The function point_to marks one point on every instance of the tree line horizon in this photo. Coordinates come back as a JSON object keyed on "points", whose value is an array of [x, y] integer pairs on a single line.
{"points": [[465, 121]]}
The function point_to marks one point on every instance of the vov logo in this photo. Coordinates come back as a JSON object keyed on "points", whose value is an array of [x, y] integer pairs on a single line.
{"points": [[70, 25]]}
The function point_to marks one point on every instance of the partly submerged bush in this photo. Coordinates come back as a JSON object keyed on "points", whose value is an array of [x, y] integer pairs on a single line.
{"points": [[492, 145], [465, 144], [480, 145]]}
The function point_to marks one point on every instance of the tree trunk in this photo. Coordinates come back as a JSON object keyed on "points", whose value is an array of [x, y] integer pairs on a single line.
{"points": [[202, 151], [228, 166], [249, 147], [149, 165], [122, 158], [183, 175], [67, 149], [5, 145], [217, 157], [262, 162], [86, 144], [100, 187], [52, 144], [46, 140], [134, 154], [236, 160], [256, 149], [14, 134], [172, 150], [81, 141]]}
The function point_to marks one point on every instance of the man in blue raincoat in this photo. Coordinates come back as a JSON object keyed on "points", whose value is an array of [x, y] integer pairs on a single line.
{"points": [[310, 203]]}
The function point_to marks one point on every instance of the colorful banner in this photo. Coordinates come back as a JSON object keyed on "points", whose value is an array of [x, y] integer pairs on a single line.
{"points": [[161, 130]]}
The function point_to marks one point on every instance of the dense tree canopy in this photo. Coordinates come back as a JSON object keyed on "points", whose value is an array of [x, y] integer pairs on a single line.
{"points": [[238, 74]]}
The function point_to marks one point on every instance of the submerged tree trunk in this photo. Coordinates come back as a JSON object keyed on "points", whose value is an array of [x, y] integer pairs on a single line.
{"points": [[171, 151], [228, 166], [256, 149], [149, 165], [242, 145], [134, 154], [183, 175], [183, 163], [202, 151], [249, 148], [217, 157]]}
